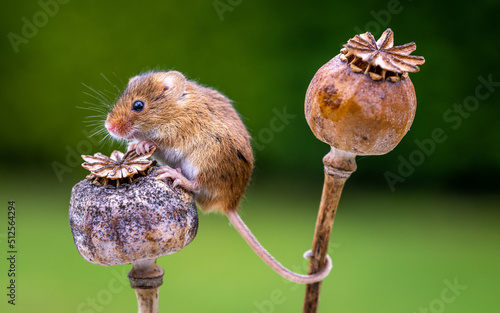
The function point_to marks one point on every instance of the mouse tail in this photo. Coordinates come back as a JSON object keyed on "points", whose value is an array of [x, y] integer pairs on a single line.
{"points": [[245, 232]]}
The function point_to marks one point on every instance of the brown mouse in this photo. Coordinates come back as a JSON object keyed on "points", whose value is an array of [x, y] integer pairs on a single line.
{"points": [[201, 143]]}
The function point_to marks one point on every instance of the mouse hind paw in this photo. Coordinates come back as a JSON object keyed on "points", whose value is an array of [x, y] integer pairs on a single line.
{"points": [[165, 172]]}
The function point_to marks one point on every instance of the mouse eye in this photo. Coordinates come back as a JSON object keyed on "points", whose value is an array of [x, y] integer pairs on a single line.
{"points": [[138, 106]]}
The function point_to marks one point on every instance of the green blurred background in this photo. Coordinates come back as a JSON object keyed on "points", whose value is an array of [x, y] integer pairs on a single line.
{"points": [[396, 247]]}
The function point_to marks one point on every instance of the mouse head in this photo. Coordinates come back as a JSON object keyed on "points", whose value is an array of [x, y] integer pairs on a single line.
{"points": [[145, 104]]}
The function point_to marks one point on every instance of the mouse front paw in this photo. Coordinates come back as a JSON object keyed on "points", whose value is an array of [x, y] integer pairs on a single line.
{"points": [[165, 172], [141, 147], [131, 145]]}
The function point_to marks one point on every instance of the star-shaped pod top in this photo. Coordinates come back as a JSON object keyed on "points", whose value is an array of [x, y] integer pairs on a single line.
{"points": [[117, 169], [380, 59]]}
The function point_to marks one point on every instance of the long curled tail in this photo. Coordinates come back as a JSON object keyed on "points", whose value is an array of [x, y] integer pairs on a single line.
{"points": [[245, 232]]}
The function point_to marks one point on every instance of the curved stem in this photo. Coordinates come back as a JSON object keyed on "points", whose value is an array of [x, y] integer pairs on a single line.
{"points": [[245, 232], [339, 165]]}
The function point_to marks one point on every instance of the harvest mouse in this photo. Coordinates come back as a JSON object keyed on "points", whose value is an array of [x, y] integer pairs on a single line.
{"points": [[201, 143]]}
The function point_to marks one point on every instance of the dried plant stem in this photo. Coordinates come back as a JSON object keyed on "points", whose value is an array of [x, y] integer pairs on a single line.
{"points": [[338, 167], [146, 277], [147, 300]]}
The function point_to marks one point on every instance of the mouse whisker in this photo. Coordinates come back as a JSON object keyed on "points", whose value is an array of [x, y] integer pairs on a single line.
{"points": [[99, 96], [112, 84], [102, 101], [120, 79], [99, 116], [93, 107]]}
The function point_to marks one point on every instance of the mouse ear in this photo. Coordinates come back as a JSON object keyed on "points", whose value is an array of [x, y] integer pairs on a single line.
{"points": [[174, 84]]}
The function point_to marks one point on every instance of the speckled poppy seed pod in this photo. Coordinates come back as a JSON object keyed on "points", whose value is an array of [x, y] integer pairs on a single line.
{"points": [[123, 214], [142, 220]]}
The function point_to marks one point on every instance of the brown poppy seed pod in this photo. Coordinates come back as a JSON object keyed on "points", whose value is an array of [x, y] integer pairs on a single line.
{"points": [[362, 101]]}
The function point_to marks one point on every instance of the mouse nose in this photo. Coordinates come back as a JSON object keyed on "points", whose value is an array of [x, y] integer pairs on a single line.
{"points": [[109, 127], [119, 129]]}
